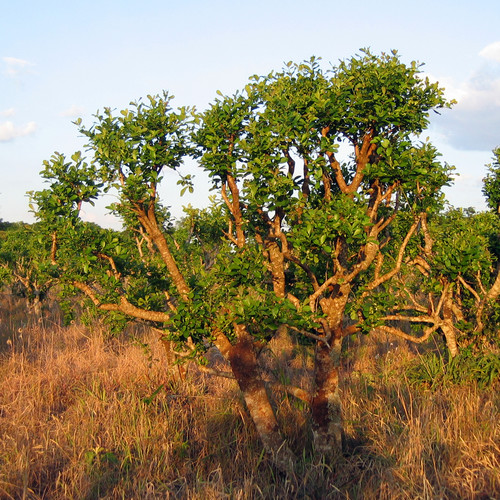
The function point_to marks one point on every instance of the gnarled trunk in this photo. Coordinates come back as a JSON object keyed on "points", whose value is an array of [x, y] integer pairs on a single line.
{"points": [[451, 338], [327, 405], [243, 362], [447, 327]]}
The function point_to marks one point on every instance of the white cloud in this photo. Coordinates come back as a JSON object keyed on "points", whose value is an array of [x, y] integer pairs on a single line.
{"points": [[474, 122], [491, 51], [15, 65], [8, 112], [73, 111], [8, 131]]}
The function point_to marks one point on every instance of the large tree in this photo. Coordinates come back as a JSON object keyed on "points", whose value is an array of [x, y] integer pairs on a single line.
{"points": [[321, 219], [313, 169]]}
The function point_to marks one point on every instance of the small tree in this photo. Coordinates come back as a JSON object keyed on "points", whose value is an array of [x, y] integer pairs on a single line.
{"points": [[24, 265], [491, 183], [450, 280], [444, 281]]}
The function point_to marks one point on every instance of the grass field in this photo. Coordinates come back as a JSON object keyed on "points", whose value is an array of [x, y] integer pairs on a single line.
{"points": [[79, 418]]}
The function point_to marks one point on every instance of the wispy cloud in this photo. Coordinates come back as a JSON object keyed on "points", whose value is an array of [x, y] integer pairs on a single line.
{"points": [[8, 112], [491, 51], [474, 123], [73, 111], [15, 66], [8, 131]]}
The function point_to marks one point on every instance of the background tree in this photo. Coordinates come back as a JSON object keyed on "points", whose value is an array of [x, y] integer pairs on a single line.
{"points": [[445, 282], [491, 183], [25, 266]]}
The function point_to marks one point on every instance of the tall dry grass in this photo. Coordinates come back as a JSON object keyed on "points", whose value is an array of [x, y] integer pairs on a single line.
{"points": [[79, 419]]}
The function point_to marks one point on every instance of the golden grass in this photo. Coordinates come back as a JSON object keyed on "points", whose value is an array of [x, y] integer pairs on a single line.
{"points": [[77, 420]]}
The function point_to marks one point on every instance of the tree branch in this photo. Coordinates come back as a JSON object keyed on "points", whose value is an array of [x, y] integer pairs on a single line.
{"points": [[417, 340], [124, 306], [387, 276]]}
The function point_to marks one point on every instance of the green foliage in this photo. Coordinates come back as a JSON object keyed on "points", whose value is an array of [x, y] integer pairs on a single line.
{"points": [[461, 245], [24, 261], [71, 183], [320, 227], [275, 149], [134, 147], [383, 93], [491, 183]]}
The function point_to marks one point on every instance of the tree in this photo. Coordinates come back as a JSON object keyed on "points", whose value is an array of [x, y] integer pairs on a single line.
{"points": [[301, 238], [24, 265], [491, 183], [450, 280], [321, 223], [446, 280]]}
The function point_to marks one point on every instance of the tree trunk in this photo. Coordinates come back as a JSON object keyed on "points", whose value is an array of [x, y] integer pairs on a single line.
{"points": [[244, 367], [447, 327], [491, 296], [451, 338], [327, 405], [36, 305], [175, 370]]}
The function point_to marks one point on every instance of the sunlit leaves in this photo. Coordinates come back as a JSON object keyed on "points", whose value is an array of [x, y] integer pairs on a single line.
{"points": [[320, 227], [133, 147], [491, 183], [71, 183]]}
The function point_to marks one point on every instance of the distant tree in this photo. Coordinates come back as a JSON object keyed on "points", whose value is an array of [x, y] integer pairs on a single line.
{"points": [[24, 265], [447, 281], [491, 183], [450, 280]]}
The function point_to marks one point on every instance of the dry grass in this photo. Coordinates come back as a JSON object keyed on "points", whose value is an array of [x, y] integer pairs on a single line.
{"points": [[77, 420]]}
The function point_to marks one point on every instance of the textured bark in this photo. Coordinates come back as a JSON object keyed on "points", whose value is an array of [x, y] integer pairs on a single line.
{"points": [[277, 267], [53, 249], [37, 305], [451, 338], [244, 367], [327, 405], [447, 327], [150, 224], [492, 295]]}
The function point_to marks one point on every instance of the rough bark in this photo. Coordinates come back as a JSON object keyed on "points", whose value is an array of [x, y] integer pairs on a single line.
{"points": [[150, 224], [447, 327], [492, 295], [244, 367], [326, 405]]}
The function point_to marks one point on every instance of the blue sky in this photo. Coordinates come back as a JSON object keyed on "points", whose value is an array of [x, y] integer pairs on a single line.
{"points": [[61, 60]]}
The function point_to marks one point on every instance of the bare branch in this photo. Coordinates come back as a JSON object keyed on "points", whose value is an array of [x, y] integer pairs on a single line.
{"points": [[387, 276], [289, 256], [413, 319], [111, 261], [309, 335], [417, 340], [471, 290], [124, 306]]}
